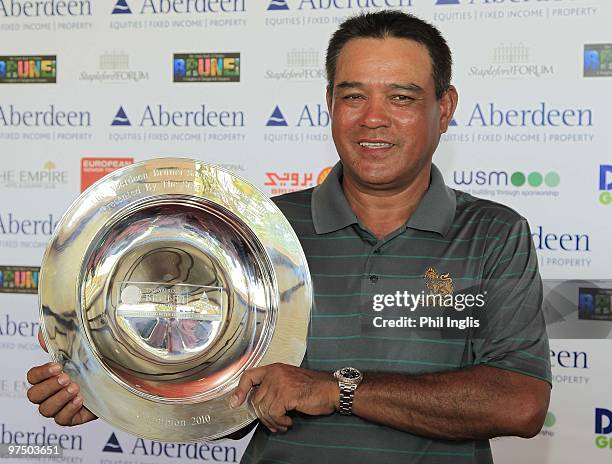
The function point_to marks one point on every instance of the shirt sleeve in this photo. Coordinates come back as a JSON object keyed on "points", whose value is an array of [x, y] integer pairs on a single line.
{"points": [[512, 331]]}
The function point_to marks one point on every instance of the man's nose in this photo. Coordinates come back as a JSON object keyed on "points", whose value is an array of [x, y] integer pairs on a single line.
{"points": [[375, 114]]}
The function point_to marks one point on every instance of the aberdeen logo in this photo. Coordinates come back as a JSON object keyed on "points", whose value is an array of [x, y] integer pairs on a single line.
{"points": [[181, 6], [603, 427], [605, 184], [206, 67], [121, 118], [46, 8], [276, 118], [310, 116], [19, 279], [278, 5], [121, 7], [598, 60], [202, 116], [30, 69], [112, 445]]}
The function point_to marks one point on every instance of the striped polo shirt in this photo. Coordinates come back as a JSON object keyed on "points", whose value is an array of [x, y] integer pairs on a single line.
{"points": [[453, 244]]}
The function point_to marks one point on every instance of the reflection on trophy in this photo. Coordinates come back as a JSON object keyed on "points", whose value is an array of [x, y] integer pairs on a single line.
{"points": [[163, 282]]}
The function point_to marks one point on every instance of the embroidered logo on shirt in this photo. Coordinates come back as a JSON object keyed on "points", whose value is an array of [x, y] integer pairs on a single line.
{"points": [[438, 284]]}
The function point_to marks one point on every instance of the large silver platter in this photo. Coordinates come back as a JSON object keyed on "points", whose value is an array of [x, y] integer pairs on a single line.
{"points": [[162, 283]]}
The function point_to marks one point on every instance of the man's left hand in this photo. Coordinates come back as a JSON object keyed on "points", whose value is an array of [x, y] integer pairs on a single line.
{"points": [[280, 388]]}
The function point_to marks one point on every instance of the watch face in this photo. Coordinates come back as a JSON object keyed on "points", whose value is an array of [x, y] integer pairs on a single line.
{"points": [[350, 373]]}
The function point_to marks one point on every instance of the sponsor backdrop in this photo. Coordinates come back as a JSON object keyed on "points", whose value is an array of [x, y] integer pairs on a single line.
{"points": [[89, 86]]}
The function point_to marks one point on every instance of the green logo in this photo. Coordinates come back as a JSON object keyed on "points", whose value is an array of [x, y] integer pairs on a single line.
{"points": [[550, 420], [535, 179], [605, 198]]}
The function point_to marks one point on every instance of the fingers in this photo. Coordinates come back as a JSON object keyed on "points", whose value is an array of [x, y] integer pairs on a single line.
{"points": [[274, 413], [74, 413], [51, 406], [39, 373], [41, 340], [249, 379]]}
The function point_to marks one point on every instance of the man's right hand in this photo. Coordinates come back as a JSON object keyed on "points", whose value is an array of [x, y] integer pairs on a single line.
{"points": [[56, 395]]}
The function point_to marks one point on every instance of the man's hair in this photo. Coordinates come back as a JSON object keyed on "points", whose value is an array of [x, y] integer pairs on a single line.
{"points": [[389, 23]]}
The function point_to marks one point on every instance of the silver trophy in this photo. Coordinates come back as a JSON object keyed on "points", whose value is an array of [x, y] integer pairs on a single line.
{"points": [[161, 285]]}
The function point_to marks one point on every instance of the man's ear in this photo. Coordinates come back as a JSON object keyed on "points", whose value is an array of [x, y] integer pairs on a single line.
{"points": [[448, 104], [329, 99]]}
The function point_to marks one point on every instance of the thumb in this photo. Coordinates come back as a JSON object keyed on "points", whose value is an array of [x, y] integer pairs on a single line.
{"points": [[41, 340], [250, 379]]}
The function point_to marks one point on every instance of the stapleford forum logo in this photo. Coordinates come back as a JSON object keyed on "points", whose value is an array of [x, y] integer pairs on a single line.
{"points": [[28, 69], [206, 67]]}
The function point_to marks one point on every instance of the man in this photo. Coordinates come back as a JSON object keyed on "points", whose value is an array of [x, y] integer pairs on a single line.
{"points": [[382, 223]]}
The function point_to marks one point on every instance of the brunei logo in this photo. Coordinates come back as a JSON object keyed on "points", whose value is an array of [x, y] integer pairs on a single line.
{"points": [[121, 7], [276, 118], [121, 118], [438, 284], [112, 445], [278, 5]]}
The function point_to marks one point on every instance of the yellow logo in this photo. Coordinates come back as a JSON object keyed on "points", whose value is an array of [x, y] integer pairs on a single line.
{"points": [[439, 284]]}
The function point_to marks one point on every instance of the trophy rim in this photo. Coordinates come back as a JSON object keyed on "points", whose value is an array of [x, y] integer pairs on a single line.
{"points": [[282, 347]]}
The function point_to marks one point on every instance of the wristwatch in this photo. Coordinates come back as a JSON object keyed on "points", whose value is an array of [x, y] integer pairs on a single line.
{"points": [[349, 379]]}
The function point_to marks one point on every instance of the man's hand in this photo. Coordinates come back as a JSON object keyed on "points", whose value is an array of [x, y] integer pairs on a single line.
{"points": [[55, 394], [280, 388]]}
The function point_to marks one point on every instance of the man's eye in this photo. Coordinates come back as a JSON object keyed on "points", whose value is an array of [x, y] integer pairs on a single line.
{"points": [[402, 98], [353, 97]]}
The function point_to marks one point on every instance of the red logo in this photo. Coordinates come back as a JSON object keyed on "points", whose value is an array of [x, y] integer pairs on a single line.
{"points": [[94, 169], [287, 182]]}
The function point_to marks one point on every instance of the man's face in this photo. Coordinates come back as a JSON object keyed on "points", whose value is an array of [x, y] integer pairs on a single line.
{"points": [[386, 120]]}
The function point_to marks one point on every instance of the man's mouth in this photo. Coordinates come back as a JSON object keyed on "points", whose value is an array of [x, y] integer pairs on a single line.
{"points": [[375, 144]]}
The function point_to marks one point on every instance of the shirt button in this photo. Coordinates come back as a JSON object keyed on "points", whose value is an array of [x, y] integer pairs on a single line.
{"points": [[373, 278]]}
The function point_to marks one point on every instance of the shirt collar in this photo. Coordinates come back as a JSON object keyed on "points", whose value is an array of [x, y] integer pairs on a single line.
{"points": [[331, 210]]}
